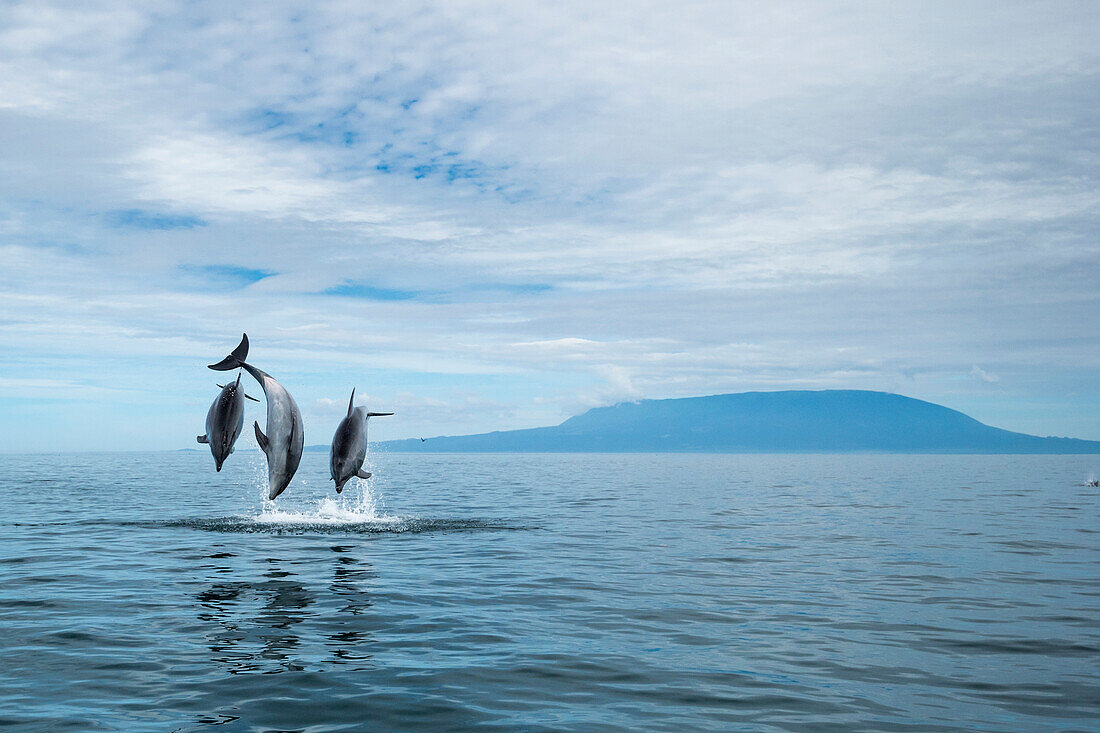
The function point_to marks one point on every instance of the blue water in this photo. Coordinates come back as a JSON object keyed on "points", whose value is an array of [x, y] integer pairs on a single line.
{"points": [[551, 592]]}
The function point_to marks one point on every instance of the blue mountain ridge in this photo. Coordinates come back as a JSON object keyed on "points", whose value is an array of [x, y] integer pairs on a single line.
{"points": [[828, 421]]}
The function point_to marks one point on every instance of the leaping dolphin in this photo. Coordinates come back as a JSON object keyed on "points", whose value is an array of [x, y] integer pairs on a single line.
{"points": [[224, 421], [349, 445], [285, 439]]}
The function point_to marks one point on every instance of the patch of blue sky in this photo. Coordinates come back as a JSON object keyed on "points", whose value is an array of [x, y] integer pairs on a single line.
{"points": [[440, 165], [515, 194], [517, 288], [324, 133], [460, 170], [334, 127], [371, 292], [269, 119], [221, 277], [68, 248], [143, 219]]}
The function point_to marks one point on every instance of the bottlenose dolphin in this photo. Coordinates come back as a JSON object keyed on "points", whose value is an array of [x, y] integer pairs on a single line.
{"points": [[285, 439], [349, 445], [224, 421]]}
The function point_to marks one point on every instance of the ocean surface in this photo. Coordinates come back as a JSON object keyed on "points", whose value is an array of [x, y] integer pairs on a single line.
{"points": [[145, 592]]}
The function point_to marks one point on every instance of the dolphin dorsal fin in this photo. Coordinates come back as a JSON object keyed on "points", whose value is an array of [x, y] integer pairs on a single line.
{"points": [[260, 437], [351, 402]]}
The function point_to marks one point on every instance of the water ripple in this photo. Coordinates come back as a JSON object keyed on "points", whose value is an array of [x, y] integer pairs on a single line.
{"points": [[664, 593], [389, 525]]}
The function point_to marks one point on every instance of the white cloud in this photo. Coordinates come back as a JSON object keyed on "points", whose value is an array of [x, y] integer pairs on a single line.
{"points": [[979, 373], [595, 202]]}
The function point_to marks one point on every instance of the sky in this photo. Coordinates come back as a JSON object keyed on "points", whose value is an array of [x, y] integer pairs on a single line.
{"points": [[494, 215]]}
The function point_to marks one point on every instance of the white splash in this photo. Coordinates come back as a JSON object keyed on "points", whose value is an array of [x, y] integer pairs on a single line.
{"points": [[358, 504], [257, 463]]}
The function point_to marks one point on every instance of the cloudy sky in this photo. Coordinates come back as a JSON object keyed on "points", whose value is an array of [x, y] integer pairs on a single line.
{"points": [[490, 215]]}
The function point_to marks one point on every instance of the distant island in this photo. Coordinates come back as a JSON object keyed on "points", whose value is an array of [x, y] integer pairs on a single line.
{"points": [[830, 421]]}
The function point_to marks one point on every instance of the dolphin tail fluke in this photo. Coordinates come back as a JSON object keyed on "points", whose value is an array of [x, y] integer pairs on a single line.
{"points": [[363, 474], [351, 402], [236, 357], [261, 438], [202, 439]]}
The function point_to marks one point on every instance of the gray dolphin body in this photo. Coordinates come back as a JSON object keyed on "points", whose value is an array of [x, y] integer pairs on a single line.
{"points": [[285, 439], [224, 421], [349, 445]]}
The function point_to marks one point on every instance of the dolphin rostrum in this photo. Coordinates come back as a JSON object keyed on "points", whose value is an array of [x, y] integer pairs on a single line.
{"points": [[285, 439], [349, 445], [224, 421]]}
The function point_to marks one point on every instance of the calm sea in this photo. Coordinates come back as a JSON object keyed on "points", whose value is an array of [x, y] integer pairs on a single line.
{"points": [[551, 592]]}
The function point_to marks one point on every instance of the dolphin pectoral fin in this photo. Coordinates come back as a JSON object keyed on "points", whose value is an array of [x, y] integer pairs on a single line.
{"points": [[201, 439], [260, 437], [363, 474], [378, 414], [351, 402], [250, 397]]}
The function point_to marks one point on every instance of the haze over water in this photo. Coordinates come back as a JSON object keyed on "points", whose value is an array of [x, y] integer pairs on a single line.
{"points": [[551, 592]]}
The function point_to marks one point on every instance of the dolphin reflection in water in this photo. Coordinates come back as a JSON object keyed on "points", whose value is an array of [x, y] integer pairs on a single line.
{"points": [[275, 621]]}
